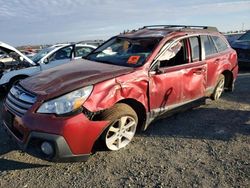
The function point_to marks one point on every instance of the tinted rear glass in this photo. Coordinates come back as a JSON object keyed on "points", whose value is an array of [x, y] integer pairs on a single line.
{"points": [[209, 46], [220, 44]]}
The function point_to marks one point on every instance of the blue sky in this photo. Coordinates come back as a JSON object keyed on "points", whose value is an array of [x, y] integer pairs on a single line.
{"points": [[51, 21]]}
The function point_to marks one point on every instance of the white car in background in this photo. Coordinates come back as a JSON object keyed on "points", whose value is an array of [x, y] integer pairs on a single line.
{"points": [[19, 66]]}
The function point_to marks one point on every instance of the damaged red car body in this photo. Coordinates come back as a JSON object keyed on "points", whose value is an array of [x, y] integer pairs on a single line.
{"points": [[118, 89]]}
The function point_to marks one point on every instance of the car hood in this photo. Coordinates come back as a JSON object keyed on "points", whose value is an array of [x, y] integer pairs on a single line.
{"points": [[242, 44], [71, 76], [7, 48]]}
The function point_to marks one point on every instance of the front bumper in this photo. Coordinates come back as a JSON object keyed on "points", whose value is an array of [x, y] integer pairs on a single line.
{"points": [[72, 138], [60, 146]]}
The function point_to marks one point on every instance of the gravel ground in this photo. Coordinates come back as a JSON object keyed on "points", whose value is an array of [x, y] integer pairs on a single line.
{"points": [[207, 146]]}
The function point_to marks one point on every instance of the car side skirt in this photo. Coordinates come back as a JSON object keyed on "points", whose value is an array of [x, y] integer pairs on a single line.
{"points": [[167, 111]]}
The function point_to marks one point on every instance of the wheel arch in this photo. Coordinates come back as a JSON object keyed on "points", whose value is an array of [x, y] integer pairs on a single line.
{"points": [[228, 80], [140, 111], [18, 77], [137, 106]]}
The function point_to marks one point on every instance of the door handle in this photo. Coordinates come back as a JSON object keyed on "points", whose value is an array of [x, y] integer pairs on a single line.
{"points": [[217, 61]]}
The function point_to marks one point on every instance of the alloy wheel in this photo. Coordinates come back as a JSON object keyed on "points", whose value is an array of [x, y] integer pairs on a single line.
{"points": [[120, 133]]}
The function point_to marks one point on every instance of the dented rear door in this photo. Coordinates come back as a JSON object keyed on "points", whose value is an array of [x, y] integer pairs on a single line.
{"points": [[194, 72], [194, 81]]}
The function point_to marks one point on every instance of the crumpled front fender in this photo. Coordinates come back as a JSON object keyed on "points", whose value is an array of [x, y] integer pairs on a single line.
{"points": [[108, 93]]}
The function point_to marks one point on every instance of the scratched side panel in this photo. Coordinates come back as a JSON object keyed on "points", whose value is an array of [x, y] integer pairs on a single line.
{"points": [[194, 81], [165, 89], [217, 64]]}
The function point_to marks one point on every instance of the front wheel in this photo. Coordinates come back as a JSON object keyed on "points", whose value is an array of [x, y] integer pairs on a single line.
{"points": [[219, 88], [121, 130]]}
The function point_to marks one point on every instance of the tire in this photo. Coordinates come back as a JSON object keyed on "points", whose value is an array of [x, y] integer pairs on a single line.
{"points": [[219, 88], [123, 123]]}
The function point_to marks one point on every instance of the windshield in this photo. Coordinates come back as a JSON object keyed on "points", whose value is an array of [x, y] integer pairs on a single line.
{"points": [[36, 58], [125, 52], [246, 36]]}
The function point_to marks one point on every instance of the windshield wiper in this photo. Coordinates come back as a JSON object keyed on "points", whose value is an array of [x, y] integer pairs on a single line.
{"points": [[107, 62]]}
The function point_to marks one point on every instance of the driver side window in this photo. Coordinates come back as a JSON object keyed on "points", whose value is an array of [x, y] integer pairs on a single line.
{"points": [[82, 51], [175, 55]]}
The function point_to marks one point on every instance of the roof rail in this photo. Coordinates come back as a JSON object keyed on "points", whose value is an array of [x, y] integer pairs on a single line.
{"points": [[181, 27]]}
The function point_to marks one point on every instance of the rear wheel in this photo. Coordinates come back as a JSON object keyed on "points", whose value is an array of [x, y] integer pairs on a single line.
{"points": [[121, 130], [219, 88]]}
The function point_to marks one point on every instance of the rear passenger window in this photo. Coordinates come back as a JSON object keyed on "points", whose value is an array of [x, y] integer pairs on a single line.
{"points": [[64, 53], [195, 48], [208, 45], [220, 44]]}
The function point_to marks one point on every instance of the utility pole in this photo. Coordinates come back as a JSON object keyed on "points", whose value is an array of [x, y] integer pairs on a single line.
{"points": [[243, 25]]}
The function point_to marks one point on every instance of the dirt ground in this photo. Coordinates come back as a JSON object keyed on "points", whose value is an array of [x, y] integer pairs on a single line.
{"points": [[207, 146]]}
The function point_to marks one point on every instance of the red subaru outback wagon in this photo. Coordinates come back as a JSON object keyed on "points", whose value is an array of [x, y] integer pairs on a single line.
{"points": [[119, 88]]}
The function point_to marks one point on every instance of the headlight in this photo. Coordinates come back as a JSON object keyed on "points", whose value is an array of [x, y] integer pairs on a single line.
{"points": [[66, 103]]}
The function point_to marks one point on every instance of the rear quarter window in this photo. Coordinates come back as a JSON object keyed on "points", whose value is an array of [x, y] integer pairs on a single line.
{"points": [[220, 44], [209, 46]]}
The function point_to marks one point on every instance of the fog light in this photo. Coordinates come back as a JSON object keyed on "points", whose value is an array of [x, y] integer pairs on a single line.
{"points": [[47, 148]]}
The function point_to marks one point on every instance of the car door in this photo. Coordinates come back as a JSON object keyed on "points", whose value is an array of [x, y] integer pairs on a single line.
{"points": [[179, 79], [194, 72], [165, 82], [60, 57], [212, 59]]}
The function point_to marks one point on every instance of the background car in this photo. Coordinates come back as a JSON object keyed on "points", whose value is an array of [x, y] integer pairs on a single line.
{"points": [[29, 54], [242, 46], [232, 37], [19, 66]]}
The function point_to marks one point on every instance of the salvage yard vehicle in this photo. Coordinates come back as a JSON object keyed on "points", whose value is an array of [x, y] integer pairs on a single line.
{"points": [[242, 47], [18, 66], [2, 55], [65, 113]]}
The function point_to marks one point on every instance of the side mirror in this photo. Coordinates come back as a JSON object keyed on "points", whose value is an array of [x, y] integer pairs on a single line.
{"points": [[46, 61], [156, 69]]}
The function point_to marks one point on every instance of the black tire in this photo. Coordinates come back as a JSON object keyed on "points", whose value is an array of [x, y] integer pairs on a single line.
{"points": [[219, 88], [114, 114]]}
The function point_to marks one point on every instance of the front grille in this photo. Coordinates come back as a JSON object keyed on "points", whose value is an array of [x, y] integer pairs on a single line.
{"points": [[19, 101]]}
